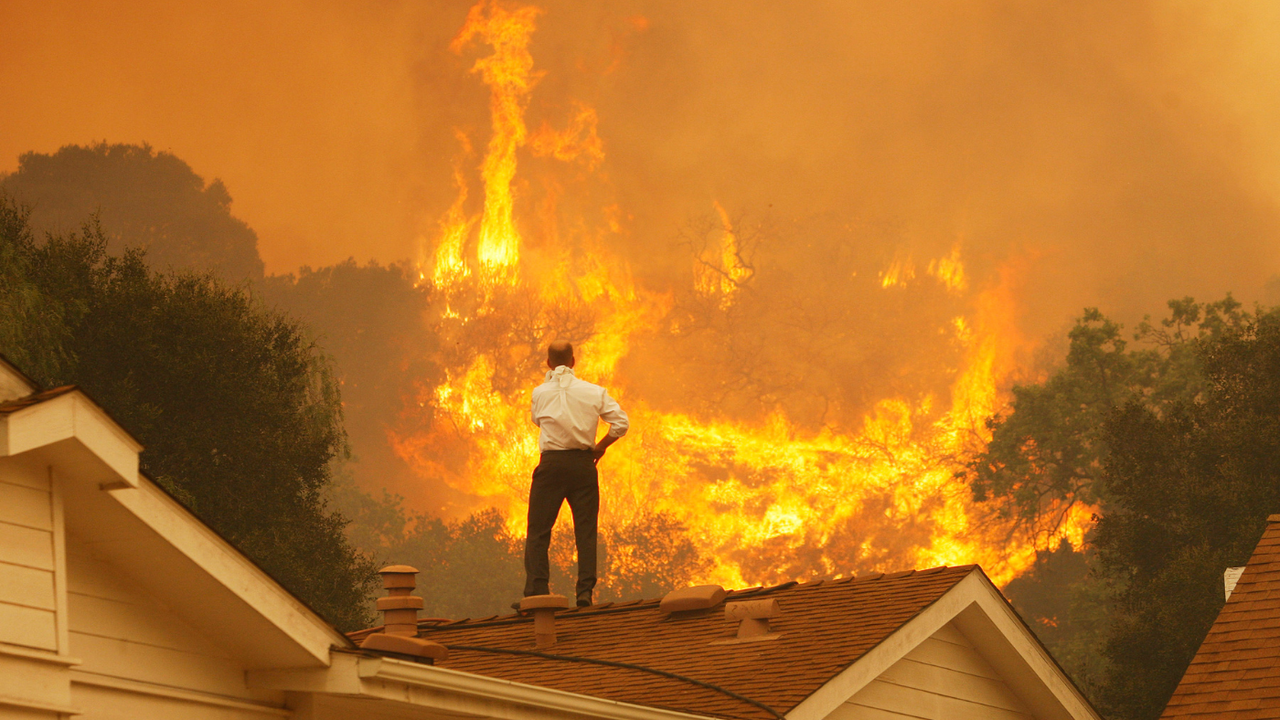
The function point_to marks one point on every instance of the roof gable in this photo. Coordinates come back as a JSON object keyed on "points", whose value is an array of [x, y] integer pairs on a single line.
{"points": [[975, 608], [1236, 671], [945, 673]]}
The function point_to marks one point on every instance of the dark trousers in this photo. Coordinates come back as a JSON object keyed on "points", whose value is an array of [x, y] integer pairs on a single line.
{"points": [[562, 475]]}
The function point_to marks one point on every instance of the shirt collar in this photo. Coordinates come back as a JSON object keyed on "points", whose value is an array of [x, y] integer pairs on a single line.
{"points": [[563, 374]]}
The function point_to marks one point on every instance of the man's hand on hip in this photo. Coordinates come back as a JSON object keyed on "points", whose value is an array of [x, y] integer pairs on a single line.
{"points": [[601, 445]]}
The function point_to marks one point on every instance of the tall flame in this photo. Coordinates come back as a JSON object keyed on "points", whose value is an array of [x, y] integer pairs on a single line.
{"points": [[450, 263], [764, 501], [509, 74]]}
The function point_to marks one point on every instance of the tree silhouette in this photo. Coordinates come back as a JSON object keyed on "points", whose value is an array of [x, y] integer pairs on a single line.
{"points": [[146, 200]]}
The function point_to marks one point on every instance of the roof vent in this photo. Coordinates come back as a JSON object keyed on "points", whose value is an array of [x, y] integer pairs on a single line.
{"points": [[698, 597], [754, 615], [1230, 578], [400, 608], [544, 609]]}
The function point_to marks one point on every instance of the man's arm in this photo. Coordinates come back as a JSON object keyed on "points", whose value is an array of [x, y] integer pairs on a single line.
{"points": [[603, 444], [612, 413]]}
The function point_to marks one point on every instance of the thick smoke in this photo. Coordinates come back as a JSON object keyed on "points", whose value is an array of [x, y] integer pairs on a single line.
{"points": [[1099, 153], [1127, 146]]}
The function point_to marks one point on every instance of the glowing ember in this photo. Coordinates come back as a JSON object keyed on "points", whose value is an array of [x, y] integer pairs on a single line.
{"points": [[764, 501]]}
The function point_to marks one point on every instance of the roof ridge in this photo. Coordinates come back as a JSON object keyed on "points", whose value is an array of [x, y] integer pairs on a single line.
{"points": [[609, 608]]}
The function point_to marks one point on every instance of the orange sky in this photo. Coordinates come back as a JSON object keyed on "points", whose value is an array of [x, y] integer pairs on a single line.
{"points": [[1132, 147], [304, 109]]}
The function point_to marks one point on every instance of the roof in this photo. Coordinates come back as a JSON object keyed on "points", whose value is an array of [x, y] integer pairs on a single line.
{"points": [[13, 406], [1236, 672], [823, 628]]}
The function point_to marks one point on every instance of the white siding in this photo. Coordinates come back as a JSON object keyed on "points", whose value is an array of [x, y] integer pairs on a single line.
{"points": [[943, 678], [141, 660], [28, 606]]}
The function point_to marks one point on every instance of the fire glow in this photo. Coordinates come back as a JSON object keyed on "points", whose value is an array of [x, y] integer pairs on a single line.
{"points": [[764, 501]]}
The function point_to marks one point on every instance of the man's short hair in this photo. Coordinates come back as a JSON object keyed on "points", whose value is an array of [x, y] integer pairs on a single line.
{"points": [[560, 353]]}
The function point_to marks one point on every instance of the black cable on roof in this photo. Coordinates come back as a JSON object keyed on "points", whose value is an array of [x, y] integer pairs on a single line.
{"points": [[628, 666], [519, 618], [573, 613]]}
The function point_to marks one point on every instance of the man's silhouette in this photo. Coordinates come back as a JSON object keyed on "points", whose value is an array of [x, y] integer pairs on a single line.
{"points": [[568, 411]]}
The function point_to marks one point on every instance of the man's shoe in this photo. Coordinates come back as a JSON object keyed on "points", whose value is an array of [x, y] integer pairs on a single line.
{"points": [[584, 602]]}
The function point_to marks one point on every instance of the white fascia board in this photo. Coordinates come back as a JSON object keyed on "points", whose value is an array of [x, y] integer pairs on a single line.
{"points": [[97, 444], [226, 565], [982, 614], [451, 691], [13, 383]]}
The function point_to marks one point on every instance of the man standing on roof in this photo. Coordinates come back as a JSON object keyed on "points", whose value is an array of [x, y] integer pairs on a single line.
{"points": [[568, 411]]}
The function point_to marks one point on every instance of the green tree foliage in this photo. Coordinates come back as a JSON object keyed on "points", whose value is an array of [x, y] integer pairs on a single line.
{"points": [[237, 410], [371, 320], [32, 330], [1047, 451], [1069, 611], [146, 200], [647, 558], [1134, 429], [1192, 485], [471, 567]]}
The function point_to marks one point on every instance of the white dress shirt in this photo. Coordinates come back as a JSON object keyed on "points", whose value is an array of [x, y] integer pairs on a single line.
{"points": [[569, 410]]}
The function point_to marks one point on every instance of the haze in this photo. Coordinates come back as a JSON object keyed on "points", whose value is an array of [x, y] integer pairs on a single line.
{"points": [[1128, 148]]}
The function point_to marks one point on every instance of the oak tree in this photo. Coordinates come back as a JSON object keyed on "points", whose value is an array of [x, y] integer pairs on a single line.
{"points": [[236, 407]]}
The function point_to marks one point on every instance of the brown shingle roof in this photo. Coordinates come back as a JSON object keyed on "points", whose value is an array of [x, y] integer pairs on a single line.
{"points": [[824, 627], [13, 406], [1236, 672]]}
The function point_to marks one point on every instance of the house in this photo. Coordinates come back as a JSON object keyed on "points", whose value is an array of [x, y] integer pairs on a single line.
{"points": [[116, 602], [1236, 672]]}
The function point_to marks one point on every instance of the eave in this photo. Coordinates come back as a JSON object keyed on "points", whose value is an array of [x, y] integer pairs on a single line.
{"points": [[368, 677]]}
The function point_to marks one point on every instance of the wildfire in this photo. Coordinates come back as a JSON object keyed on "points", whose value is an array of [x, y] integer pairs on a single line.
{"points": [[764, 501], [721, 271], [450, 265], [509, 74], [899, 273]]}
